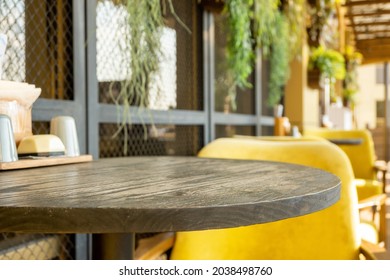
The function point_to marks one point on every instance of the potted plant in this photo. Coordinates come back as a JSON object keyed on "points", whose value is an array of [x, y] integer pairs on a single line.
{"points": [[326, 63], [350, 85]]}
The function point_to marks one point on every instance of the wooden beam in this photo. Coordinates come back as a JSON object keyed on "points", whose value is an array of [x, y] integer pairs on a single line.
{"points": [[372, 32], [341, 19], [377, 13], [353, 24], [375, 59], [374, 23], [379, 42], [364, 3], [376, 50], [375, 55]]}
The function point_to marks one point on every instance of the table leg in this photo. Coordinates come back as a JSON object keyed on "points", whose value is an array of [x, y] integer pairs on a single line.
{"points": [[114, 246]]}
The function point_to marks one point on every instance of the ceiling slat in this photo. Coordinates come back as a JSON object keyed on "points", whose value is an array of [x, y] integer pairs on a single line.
{"points": [[364, 3], [374, 23], [363, 14], [370, 23]]}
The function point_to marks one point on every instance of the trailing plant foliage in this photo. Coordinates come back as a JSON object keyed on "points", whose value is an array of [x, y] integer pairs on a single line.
{"points": [[278, 34], [293, 10], [143, 31], [279, 60], [350, 86], [321, 22], [240, 54], [264, 23], [329, 62]]}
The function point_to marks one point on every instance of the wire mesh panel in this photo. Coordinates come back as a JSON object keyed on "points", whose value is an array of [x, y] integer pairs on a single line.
{"points": [[231, 130], [40, 52], [40, 128], [178, 83], [267, 130], [15, 246], [39, 49], [245, 99], [161, 140]]}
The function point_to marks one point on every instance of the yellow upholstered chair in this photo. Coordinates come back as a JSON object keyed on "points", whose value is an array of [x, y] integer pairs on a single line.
{"points": [[371, 229], [328, 234], [362, 157]]}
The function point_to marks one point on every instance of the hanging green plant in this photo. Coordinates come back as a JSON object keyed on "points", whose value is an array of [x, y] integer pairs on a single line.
{"points": [[329, 62], [240, 53], [294, 11], [279, 60], [264, 23], [260, 24], [142, 31]]}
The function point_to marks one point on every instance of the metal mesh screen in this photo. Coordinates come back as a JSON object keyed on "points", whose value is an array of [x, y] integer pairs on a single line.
{"points": [[267, 130], [40, 45], [15, 246], [40, 128], [231, 130], [161, 140], [180, 73], [245, 99]]}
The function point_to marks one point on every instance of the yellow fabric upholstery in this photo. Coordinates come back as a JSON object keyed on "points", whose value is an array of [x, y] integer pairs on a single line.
{"points": [[368, 188], [327, 234], [369, 232], [362, 156]]}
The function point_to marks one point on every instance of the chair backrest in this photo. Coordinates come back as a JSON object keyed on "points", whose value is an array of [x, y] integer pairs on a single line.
{"points": [[362, 156], [327, 234]]}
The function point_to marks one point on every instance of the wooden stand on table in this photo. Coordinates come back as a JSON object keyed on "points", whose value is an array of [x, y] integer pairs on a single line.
{"points": [[282, 126], [50, 161]]}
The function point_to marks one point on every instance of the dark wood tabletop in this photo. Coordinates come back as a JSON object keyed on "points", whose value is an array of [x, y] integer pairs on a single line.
{"points": [[157, 194], [346, 141]]}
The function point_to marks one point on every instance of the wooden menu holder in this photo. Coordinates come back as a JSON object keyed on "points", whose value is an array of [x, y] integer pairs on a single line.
{"points": [[282, 126]]}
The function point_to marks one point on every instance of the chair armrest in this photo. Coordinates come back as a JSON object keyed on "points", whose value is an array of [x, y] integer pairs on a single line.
{"points": [[376, 200], [377, 203], [374, 252], [381, 166], [154, 247]]}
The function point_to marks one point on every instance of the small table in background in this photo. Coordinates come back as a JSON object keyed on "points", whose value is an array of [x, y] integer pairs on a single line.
{"points": [[346, 141]]}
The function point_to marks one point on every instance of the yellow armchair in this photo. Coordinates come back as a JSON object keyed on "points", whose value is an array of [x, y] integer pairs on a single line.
{"points": [[328, 234], [369, 192], [362, 157]]}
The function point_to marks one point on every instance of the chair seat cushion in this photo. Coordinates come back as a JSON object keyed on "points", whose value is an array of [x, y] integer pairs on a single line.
{"points": [[367, 188], [369, 232]]}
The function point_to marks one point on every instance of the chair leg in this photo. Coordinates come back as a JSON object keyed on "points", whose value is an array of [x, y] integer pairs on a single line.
{"points": [[382, 224]]}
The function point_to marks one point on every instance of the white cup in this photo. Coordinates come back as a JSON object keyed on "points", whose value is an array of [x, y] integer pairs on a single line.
{"points": [[65, 128], [8, 152]]}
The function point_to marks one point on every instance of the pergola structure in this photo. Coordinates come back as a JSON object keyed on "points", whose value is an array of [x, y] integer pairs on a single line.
{"points": [[369, 23]]}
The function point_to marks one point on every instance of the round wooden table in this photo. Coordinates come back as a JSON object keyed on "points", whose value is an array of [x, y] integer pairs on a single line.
{"points": [[158, 194]]}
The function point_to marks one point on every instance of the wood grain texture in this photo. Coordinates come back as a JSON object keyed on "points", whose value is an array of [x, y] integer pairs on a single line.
{"points": [[42, 162], [159, 194]]}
